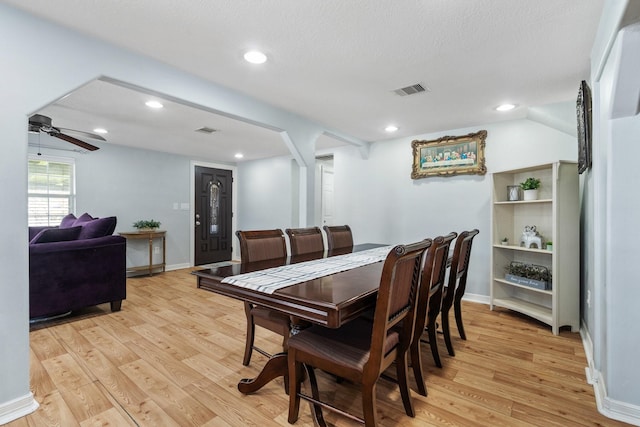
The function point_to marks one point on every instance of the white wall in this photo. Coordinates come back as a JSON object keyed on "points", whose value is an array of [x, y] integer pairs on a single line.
{"points": [[265, 194], [610, 206]]}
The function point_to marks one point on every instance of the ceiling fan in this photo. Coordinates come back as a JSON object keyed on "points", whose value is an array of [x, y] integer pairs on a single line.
{"points": [[40, 123]]}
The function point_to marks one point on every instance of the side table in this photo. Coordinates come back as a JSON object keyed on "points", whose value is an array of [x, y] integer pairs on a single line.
{"points": [[150, 235]]}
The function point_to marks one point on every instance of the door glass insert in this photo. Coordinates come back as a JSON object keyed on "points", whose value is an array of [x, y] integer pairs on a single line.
{"points": [[214, 206]]}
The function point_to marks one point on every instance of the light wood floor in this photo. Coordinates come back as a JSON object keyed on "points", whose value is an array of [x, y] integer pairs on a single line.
{"points": [[173, 357]]}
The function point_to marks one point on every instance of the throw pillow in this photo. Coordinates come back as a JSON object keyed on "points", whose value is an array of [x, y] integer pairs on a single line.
{"points": [[85, 217], [98, 228], [57, 235], [68, 221]]}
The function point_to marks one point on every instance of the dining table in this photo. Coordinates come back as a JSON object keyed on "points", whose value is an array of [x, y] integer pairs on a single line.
{"points": [[330, 300]]}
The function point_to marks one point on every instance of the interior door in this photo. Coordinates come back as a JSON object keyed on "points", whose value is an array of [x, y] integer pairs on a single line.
{"points": [[327, 194], [213, 211]]}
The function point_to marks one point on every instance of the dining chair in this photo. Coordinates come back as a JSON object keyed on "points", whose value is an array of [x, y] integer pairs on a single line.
{"points": [[428, 305], [305, 240], [260, 245], [454, 291], [361, 350], [338, 237], [429, 309]]}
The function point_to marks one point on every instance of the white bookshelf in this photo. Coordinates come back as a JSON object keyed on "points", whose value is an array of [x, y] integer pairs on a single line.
{"points": [[556, 216]]}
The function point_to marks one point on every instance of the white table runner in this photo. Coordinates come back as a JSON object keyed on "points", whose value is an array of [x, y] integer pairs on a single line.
{"points": [[272, 279]]}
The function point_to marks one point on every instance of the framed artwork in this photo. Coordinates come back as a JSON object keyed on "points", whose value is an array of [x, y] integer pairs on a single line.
{"points": [[449, 155], [583, 112]]}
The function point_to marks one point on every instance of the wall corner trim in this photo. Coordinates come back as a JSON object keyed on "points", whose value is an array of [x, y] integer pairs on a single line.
{"points": [[608, 407], [16, 408]]}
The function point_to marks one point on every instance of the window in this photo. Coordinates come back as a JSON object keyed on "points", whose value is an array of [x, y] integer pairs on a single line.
{"points": [[51, 190]]}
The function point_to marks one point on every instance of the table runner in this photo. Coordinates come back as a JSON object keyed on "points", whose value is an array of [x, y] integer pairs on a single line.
{"points": [[272, 279]]}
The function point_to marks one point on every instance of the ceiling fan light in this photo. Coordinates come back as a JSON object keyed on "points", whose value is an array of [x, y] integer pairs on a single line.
{"points": [[391, 128], [239, 155], [153, 104]]}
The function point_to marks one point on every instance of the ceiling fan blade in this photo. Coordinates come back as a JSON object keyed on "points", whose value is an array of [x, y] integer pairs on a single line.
{"points": [[75, 141], [82, 133]]}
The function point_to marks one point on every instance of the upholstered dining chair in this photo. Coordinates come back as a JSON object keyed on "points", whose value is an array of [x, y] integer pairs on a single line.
{"points": [[260, 245], [454, 290], [428, 305], [361, 350], [338, 237], [305, 240]]}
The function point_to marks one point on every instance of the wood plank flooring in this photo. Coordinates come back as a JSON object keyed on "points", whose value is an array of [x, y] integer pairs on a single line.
{"points": [[173, 357]]}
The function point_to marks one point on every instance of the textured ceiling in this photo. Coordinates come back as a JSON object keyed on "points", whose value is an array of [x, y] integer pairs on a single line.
{"points": [[338, 62]]}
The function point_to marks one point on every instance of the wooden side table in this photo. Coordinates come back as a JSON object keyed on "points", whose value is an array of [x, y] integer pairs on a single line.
{"points": [[150, 235]]}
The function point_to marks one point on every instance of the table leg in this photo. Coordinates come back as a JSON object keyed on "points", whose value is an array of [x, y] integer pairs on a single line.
{"points": [[274, 368]]}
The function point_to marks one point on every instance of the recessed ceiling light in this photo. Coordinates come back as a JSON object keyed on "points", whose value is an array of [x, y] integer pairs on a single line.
{"points": [[100, 130], [153, 104], [391, 128], [239, 155], [505, 107], [255, 57]]}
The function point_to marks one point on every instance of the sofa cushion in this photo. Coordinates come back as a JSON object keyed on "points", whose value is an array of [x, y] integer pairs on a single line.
{"points": [[56, 235], [99, 227], [85, 217], [68, 221]]}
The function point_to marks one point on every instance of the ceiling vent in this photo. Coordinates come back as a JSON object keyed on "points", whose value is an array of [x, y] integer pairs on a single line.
{"points": [[206, 130], [411, 90]]}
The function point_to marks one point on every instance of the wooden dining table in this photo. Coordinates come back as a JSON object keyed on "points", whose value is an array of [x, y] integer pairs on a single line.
{"points": [[329, 301]]}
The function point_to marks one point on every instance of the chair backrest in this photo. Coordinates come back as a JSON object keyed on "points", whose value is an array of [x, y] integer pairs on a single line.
{"points": [[459, 267], [397, 296], [433, 277], [259, 245], [305, 240], [338, 236]]}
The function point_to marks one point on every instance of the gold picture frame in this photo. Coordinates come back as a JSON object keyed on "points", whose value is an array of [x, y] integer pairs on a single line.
{"points": [[449, 155]]}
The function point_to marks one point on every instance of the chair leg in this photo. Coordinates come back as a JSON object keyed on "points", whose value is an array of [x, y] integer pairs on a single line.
{"points": [[447, 333], [248, 348], [403, 384], [457, 308], [416, 364], [294, 387], [369, 405], [433, 343]]}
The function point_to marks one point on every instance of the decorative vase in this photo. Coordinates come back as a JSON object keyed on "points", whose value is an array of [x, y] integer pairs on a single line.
{"points": [[550, 247], [513, 193], [530, 194]]}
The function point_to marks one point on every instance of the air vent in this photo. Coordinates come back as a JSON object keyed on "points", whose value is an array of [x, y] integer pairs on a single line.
{"points": [[206, 130], [411, 90]]}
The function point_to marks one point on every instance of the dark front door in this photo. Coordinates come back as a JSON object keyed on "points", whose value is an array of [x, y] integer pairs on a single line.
{"points": [[213, 236]]}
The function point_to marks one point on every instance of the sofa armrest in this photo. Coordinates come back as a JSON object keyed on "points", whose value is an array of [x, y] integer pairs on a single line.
{"points": [[36, 229]]}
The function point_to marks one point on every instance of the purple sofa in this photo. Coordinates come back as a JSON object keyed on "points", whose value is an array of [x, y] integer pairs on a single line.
{"points": [[76, 265]]}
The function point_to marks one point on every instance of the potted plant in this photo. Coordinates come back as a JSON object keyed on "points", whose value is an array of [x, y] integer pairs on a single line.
{"points": [[146, 225], [534, 276], [530, 188], [504, 241], [549, 245]]}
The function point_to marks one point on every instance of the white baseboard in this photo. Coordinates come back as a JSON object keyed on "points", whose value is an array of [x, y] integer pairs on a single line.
{"points": [[177, 266], [16, 408], [608, 407], [481, 299]]}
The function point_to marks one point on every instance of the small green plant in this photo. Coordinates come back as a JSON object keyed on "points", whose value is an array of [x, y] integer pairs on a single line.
{"points": [[504, 240], [549, 243], [146, 223], [530, 184], [529, 271]]}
